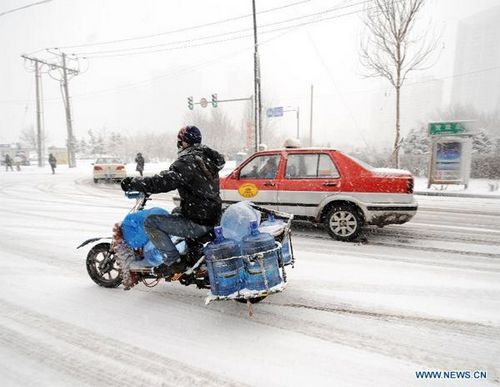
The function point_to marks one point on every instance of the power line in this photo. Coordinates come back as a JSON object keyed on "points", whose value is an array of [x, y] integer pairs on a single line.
{"points": [[221, 34], [222, 21], [147, 51], [24, 7]]}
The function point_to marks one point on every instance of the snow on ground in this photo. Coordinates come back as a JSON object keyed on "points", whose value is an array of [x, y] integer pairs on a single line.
{"points": [[359, 314], [475, 186]]}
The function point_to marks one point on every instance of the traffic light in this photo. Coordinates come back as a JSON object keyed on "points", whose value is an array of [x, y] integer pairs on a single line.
{"points": [[190, 103], [214, 100]]}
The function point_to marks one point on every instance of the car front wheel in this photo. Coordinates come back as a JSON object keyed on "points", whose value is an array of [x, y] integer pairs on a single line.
{"points": [[343, 223]]}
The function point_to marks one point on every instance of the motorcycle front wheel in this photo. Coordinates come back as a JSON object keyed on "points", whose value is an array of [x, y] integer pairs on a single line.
{"points": [[102, 266]]}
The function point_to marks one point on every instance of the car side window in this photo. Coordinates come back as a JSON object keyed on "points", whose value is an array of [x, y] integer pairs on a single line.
{"points": [[309, 166], [326, 167], [301, 166], [261, 167]]}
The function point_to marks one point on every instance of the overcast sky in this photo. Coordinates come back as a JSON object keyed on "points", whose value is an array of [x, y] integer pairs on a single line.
{"points": [[148, 92]]}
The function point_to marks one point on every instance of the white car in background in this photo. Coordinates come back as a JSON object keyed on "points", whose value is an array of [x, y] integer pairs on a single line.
{"points": [[109, 169]]}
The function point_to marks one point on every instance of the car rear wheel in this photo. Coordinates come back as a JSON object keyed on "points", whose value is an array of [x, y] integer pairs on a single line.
{"points": [[343, 223]]}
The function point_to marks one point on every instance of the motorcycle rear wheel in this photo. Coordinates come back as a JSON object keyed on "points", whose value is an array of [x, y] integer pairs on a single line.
{"points": [[102, 267]]}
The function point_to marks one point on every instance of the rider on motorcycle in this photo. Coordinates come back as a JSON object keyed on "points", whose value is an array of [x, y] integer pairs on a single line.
{"points": [[195, 174]]}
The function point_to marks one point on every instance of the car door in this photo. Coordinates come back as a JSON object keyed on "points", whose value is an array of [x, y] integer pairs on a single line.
{"points": [[307, 179], [256, 180]]}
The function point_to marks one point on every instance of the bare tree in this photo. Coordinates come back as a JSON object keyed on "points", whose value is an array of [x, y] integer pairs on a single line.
{"points": [[392, 49], [29, 137]]}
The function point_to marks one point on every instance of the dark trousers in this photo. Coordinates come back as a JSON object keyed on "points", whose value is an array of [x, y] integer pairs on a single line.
{"points": [[160, 227]]}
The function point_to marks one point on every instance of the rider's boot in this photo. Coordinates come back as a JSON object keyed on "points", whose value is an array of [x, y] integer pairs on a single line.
{"points": [[168, 270]]}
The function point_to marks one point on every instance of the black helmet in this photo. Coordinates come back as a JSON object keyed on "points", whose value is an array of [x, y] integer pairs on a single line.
{"points": [[190, 135]]}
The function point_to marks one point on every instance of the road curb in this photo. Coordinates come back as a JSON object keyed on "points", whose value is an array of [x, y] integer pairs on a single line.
{"points": [[456, 195]]}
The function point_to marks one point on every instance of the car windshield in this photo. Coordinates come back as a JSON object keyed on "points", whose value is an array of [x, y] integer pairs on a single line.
{"points": [[108, 161], [362, 163]]}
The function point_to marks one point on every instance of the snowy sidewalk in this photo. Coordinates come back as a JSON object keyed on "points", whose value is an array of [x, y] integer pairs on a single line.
{"points": [[477, 188]]}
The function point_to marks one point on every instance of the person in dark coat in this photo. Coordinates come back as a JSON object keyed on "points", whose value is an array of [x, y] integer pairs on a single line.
{"points": [[8, 163], [140, 163], [195, 174], [53, 162]]}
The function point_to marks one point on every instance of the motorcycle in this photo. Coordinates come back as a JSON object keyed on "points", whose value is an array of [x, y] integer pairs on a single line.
{"points": [[110, 261]]}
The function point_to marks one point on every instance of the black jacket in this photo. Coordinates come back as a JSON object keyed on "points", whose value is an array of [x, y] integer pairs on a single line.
{"points": [[140, 163], [52, 160], [195, 174]]}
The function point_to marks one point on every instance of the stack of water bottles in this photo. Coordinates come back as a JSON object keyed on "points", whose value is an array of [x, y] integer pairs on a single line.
{"points": [[244, 260]]}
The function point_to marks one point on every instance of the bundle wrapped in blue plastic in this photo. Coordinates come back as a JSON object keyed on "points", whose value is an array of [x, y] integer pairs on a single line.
{"points": [[133, 226]]}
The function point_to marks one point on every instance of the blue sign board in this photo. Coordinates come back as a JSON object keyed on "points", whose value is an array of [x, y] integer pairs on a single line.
{"points": [[275, 112]]}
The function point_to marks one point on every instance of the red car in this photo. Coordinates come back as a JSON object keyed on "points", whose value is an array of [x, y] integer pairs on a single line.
{"points": [[323, 185]]}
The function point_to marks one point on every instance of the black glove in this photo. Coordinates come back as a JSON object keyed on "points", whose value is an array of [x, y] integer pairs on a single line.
{"points": [[126, 184]]}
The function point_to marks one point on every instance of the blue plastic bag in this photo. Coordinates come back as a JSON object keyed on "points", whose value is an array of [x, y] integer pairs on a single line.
{"points": [[133, 226]]}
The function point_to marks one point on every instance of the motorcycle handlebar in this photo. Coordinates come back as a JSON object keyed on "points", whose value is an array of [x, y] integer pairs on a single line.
{"points": [[136, 194]]}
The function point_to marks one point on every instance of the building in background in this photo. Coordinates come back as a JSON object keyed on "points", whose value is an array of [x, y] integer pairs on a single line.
{"points": [[13, 150], [476, 77]]}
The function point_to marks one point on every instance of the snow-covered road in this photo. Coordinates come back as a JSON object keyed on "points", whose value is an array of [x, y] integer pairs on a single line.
{"points": [[421, 296]]}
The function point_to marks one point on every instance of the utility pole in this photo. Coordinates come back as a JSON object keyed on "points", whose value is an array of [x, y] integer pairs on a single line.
{"points": [[69, 125], [65, 71], [311, 118], [38, 63], [38, 116], [256, 63]]}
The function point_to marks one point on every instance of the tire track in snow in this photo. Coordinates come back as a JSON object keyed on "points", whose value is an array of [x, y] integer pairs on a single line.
{"points": [[488, 263], [92, 358], [369, 237], [424, 341]]}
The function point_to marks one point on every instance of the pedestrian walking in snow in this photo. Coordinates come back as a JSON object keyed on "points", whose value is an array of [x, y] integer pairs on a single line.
{"points": [[53, 163], [140, 163], [8, 163]]}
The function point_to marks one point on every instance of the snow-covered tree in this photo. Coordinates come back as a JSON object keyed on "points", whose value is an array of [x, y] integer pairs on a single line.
{"points": [[96, 143], [416, 142], [481, 143]]}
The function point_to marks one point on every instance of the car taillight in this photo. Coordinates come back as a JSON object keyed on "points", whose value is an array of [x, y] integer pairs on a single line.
{"points": [[97, 168], [120, 168], [409, 185]]}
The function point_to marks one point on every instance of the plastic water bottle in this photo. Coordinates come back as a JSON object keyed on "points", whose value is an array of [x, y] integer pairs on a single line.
{"points": [[225, 275], [275, 227], [236, 218], [152, 256], [262, 273]]}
